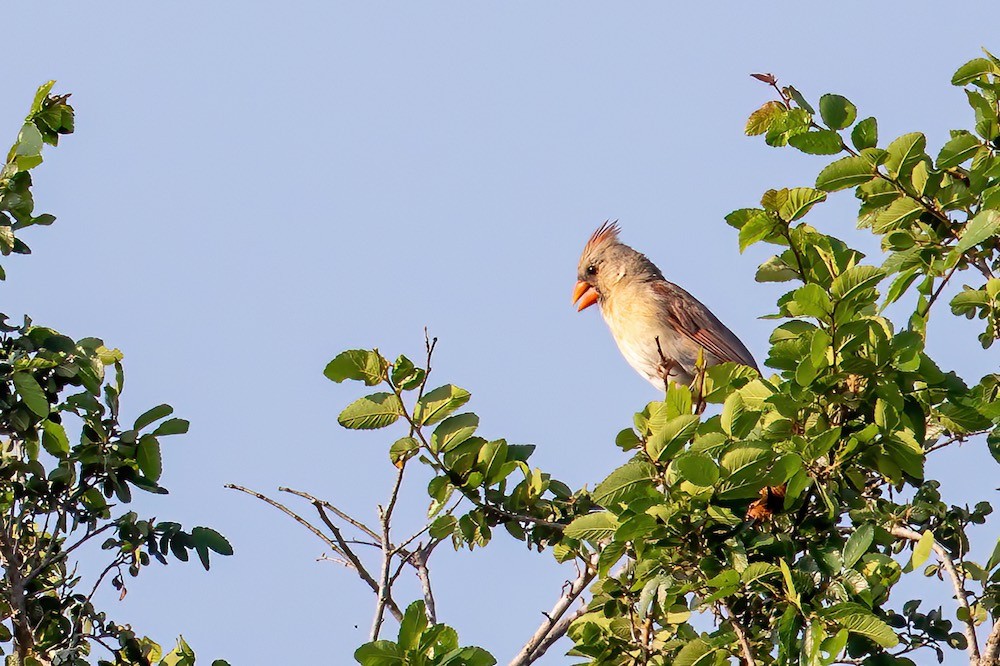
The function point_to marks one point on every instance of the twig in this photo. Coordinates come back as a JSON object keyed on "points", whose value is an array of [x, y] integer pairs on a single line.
{"points": [[326, 505], [385, 518], [337, 545], [554, 625], [424, 574], [741, 635], [960, 592]]}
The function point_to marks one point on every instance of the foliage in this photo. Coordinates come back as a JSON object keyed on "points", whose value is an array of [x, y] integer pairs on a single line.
{"points": [[68, 466], [790, 515]]}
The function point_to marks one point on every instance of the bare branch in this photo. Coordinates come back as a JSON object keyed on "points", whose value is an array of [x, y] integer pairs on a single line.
{"points": [[555, 624], [326, 505], [741, 635], [960, 591], [296, 517], [385, 519], [338, 546], [419, 561]]}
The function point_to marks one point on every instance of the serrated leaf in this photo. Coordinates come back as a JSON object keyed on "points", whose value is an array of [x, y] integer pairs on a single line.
{"points": [[357, 364], [817, 142], [632, 478], [757, 227], [695, 653], [760, 120], [436, 405], [403, 449], [837, 111], [904, 153], [900, 212], [959, 149], [757, 570], [172, 427], [697, 468], [973, 70], [978, 229], [453, 431], [377, 410], [859, 620], [668, 439], [592, 527], [844, 173], [54, 439], [854, 280], [799, 201]]}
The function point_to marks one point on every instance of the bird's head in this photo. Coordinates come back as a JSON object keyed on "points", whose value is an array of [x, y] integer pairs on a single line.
{"points": [[605, 263]]}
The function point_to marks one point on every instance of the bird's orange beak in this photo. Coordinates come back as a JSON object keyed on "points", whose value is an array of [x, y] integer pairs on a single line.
{"points": [[584, 295]]}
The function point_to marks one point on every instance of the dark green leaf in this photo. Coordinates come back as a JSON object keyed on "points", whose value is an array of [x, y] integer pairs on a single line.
{"points": [[817, 142], [959, 149], [592, 527], [31, 393], [858, 543], [698, 468], [172, 427], [154, 414], [631, 479], [865, 134], [436, 405], [147, 456], [837, 111], [844, 173], [453, 431]]}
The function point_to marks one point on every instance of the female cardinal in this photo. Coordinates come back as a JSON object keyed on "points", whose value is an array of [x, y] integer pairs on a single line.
{"points": [[659, 327]]}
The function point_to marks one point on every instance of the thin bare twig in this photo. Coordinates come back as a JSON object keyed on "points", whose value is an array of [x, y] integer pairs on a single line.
{"points": [[960, 592], [385, 519], [337, 545], [326, 505], [554, 625]]}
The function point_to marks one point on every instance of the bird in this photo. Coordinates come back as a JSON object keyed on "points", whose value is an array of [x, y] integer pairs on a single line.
{"points": [[659, 327]]}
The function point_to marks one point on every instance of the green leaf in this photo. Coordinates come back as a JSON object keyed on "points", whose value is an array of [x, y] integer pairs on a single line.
{"points": [[377, 410], [698, 468], [756, 228], [978, 229], [904, 153], [859, 620], [172, 427], [412, 626], [758, 570], [899, 213], [436, 405], [775, 270], [817, 142], [922, 550], [667, 440], [857, 545], [453, 431], [844, 173], [592, 527], [359, 365], [212, 540], [29, 141], [865, 134], [379, 653], [631, 479], [54, 439], [972, 70], [837, 111], [799, 201], [403, 449], [405, 375], [695, 653], [154, 414], [760, 120], [31, 393], [854, 280], [959, 149], [147, 456], [899, 286]]}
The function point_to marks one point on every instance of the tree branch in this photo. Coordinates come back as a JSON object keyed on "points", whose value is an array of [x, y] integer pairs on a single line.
{"points": [[326, 505], [991, 656], [960, 592], [385, 518], [555, 624], [741, 635]]}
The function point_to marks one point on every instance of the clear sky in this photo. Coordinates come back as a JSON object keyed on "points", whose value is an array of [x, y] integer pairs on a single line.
{"points": [[256, 186]]}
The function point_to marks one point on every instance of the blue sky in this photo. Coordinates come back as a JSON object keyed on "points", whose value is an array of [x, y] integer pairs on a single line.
{"points": [[254, 188]]}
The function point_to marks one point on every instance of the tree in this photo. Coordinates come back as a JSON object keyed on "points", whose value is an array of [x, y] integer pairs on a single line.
{"points": [[787, 514], [68, 465]]}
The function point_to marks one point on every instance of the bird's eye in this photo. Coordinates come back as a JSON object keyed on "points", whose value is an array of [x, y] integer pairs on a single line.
{"points": [[592, 270]]}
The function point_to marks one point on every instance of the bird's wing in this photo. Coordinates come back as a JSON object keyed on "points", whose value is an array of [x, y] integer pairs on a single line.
{"points": [[692, 319]]}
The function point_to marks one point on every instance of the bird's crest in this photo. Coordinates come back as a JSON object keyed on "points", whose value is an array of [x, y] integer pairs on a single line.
{"points": [[606, 233]]}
